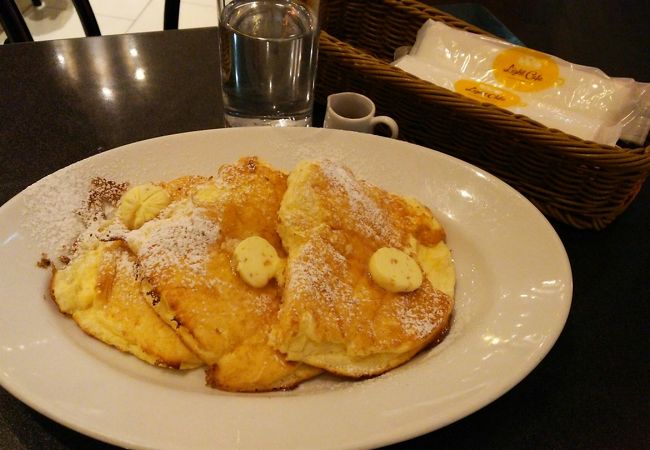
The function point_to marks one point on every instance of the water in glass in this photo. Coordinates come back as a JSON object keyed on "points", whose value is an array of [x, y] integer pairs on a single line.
{"points": [[268, 60]]}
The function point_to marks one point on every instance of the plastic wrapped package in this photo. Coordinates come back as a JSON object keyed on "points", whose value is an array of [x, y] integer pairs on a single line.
{"points": [[578, 100]]}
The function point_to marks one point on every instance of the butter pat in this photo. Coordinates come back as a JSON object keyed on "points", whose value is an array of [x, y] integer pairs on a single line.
{"points": [[394, 270], [141, 204], [257, 261]]}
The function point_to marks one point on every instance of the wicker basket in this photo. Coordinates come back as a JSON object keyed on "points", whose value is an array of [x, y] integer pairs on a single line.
{"points": [[581, 183]]}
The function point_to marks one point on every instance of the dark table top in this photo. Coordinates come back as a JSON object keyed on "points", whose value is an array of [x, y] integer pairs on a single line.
{"points": [[61, 101]]}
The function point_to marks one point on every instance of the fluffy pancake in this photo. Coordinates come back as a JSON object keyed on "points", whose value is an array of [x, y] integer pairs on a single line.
{"points": [[186, 258], [100, 290], [333, 315]]}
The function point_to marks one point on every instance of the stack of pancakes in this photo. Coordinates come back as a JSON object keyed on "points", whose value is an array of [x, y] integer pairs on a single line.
{"points": [[169, 292]]}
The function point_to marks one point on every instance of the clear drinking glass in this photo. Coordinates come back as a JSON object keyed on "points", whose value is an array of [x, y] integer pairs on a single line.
{"points": [[268, 51]]}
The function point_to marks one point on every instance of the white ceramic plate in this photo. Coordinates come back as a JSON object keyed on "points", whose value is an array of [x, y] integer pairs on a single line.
{"points": [[513, 296]]}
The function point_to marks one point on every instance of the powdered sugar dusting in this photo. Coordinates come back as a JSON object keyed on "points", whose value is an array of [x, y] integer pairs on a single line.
{"points": [[414, 324], [367, 216], [420, 319], [63, 207], [49, 213], [313, 273], [345, 153], [125, 264], [181, 239]]}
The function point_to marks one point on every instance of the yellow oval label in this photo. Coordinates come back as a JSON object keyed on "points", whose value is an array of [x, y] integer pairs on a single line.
{"points": [[488, 93], [523, 69]]}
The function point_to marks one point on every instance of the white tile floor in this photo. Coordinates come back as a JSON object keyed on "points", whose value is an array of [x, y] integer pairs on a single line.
{"points": [[57, 19]]}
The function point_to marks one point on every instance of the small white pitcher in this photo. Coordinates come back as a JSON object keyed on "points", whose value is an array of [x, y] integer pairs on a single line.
{"points": [[355, 112]]}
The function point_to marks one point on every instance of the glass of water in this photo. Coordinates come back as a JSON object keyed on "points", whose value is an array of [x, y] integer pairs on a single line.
{"points": [[268, 51]]}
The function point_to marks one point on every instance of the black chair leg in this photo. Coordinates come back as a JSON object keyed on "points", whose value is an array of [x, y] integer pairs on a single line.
{"points": [[37, 2], [87, 17], [172, 9], [13, 22]]}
